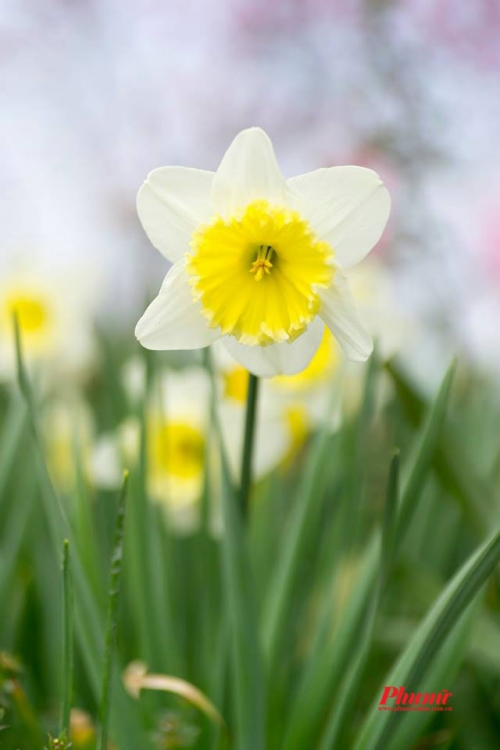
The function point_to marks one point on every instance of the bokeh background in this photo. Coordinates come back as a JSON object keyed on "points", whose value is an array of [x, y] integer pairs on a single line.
{"points": [[95, 94]]}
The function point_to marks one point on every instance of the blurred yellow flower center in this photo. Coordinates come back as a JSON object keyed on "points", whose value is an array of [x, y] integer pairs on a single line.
{"points": [[82, 732], [321, 366], [298, 425], [178, 449], [236, 384], [60, 460], [32, 312], [257, 274]]}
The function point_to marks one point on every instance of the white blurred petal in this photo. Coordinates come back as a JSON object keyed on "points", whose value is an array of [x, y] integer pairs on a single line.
{"points": [[105, 464], [174, 319], [183, 519], [278, 359], [185, 395], [346, 206], [171, 203], [338, 311], [249, 171], [134, 378]]}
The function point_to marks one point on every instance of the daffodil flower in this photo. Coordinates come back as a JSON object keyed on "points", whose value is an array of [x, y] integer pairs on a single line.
{"points": [[259, 260], [68, 430], [177, 446], [54, 318]]}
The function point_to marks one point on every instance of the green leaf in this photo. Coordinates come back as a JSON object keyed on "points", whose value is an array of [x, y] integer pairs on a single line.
{"points": [[15, 526], [296, 538], [440, 675], [416, 659], [326, 666], [425, 454], [325, 670], [343, 707], [13, 431], [88, 617], [67, 650], [452, 464]]}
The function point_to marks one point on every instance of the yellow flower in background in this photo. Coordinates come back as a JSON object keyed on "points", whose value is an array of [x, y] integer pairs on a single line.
{"points": [[178, 451], [311, 398], [278, 430], [235, 379], [322, 366], [299, 424], [177, 425], [68, 431], [258, 260], [177, 438], [82, 731], [32, 301], [34, 314], [54, 316]]}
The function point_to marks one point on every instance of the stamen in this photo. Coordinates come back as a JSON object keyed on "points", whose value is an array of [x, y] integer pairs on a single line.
{"points": [[262, 264]]}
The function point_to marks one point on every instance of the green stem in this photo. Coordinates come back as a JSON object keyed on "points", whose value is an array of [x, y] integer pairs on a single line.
{"points": [[248, 443], [67, 643], [113, 601]]}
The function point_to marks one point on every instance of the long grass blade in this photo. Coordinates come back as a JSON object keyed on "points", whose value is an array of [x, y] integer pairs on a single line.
{"points": [[452, 465], [442, 673], [67, 682], [425, 455], [88, 619], [13, 431], [293, 550], [415, 660], [343, 707], [325, 669], [112, 626]]}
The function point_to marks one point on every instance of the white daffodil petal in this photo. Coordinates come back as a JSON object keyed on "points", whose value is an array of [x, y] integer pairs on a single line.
{"points": [[346, 206], [174, 319], [278, 359], [249, 171], [339, 313], [171, 203]]}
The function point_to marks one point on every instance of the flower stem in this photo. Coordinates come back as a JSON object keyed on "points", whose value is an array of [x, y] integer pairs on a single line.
{"points": [[248, 442], [67, 643], [113, 601]]}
